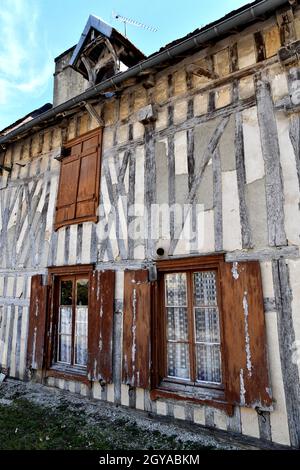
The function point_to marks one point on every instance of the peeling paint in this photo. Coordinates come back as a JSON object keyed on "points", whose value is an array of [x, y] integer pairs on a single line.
{"points": [[242, 388], [133, 349], [247, 337], [34, 348], [269, 392], [36, 311], [235, 271], [98, 291], [95, 367]]}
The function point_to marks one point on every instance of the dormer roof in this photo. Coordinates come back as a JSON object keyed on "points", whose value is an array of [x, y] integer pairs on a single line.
{"points": [[98, 35]]}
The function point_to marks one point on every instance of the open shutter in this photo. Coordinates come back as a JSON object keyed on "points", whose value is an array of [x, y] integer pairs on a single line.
{"points": [[68, 185], [78, 191], [88, 186], [247, 381], [67, 189], [136, 329], [100, 326], [37, 323]]}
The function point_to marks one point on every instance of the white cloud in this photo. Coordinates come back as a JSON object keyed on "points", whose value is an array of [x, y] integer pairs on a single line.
{"points": [[4, 91], [24, 66], [37, 82]]}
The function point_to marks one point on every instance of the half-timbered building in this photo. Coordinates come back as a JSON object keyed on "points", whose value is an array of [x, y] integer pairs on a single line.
{"points": [[150, 224]]}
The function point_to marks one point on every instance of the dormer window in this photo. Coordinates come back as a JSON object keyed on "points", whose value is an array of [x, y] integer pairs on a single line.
{"points": [[103, 52]]}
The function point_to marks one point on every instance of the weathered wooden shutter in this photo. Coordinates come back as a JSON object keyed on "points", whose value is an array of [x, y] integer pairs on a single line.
{"points": [[79, 181], [87, 196], [100, 326], [136, 329], [247, 381], [67, 189], [37, 323]]}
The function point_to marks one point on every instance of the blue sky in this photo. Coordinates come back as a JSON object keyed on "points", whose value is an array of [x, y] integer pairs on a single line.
{"points": [[34, 32]]}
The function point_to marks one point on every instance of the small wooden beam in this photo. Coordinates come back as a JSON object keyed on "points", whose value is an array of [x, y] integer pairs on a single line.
{"points": [[285, 20], [149, 82], [290, 53], [93, 113], [5, 168], [202, 72], [146, 114]]}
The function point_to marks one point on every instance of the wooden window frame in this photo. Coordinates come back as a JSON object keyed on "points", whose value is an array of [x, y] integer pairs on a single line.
{"points": [[68, 145], [167, 387], [52, 367]]}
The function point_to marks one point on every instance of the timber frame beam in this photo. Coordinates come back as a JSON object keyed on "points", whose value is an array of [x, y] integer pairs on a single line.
{"points": [[93, 113]]}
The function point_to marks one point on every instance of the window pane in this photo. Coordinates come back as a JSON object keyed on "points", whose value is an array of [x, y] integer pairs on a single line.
{"points": [[64, 349], [66, 288], [178, 360], [175, 289], [65, 320], [205, 288], [207, 328], [207, 325], [177, 324], [82, 292], [208, 363], [81, 336], [64, 336]]}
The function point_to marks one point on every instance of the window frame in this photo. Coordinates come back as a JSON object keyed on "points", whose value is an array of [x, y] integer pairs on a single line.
{"points": [[53, 368], [68, 145], [181, 389]]}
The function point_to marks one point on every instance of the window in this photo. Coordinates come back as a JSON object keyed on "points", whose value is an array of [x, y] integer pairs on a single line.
{"points": [[70, 316], [188, 331], [78, 191], [197, 333], [70, 319], [193, 341], [189, 345]]}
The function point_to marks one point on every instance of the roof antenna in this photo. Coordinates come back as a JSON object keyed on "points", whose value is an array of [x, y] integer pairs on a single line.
{"points": [[126, 21]]}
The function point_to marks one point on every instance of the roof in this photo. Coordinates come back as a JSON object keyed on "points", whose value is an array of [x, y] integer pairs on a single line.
{"points": [[62, 54], [210, 25], [98, 25], [199, 38], [29, 117]]}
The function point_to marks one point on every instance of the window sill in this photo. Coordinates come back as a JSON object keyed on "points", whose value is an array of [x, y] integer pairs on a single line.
{"points": [[188, 397], [60, 372]]}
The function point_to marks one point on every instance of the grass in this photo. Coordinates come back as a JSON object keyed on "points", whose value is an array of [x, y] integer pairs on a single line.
{"points": [[28, 426]]}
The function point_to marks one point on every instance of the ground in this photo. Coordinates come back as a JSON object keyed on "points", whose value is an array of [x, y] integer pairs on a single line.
{"points": [[33, 416]]}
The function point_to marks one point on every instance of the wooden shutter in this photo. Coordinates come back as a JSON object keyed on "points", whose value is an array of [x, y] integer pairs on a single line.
{"points": [[67, 189], [136, 329], [37, 323], [88, 187], [100, 326], [245, 352], [78, 190]]}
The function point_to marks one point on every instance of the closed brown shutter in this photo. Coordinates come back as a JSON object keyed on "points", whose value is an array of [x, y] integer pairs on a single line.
{"points": [[100, 326], [136, 329], [247, 381], [37, 323], [78, 191]]}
